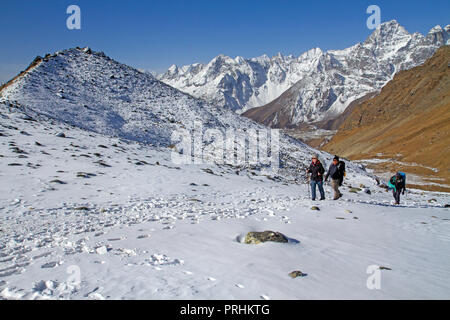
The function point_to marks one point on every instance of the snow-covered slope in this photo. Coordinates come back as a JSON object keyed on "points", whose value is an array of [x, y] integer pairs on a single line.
{"points": [[91, 216], [325, 82], [93, 207]]}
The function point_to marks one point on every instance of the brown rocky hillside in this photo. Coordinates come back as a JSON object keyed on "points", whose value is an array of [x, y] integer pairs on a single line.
{"points": [[407, 125]]}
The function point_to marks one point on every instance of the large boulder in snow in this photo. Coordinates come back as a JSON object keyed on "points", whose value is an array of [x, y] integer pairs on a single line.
{"points": [[260, 237]]}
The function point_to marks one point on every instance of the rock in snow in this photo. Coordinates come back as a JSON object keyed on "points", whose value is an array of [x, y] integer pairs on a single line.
{"points": [[260, 237]]}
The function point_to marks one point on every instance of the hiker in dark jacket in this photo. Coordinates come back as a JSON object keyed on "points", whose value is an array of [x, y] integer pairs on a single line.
{"points": [[316, 170], [398, 185], [336, 172]]}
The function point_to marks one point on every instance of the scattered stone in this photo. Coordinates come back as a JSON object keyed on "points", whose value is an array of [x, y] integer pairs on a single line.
{"points": [[81, 209], [340, 218], [432, 201], [348, 211], [115, 239], [207, 170], [49, 265], [14, 164], [356, 218], [384, 268], [102, 146], [367, 190], [355, 190], [27, 118], [85, 175], [58, 181], [260, 237], [102, 164], [17, 150], [61, 135], [315, 208], [297, 274], [101, 250]]}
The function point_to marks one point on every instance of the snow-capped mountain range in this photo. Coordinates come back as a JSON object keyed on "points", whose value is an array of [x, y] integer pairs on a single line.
{"points": [[323, 83]]}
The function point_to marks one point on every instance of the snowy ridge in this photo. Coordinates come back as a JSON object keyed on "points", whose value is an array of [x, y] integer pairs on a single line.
{"points": [[330, 80], [91, 91]]}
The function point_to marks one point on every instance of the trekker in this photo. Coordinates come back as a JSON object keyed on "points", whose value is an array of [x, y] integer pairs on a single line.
{"points": [[398, 185], [336, 172], [316, 170]]}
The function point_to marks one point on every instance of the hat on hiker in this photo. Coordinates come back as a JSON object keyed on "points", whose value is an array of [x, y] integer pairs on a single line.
{"points": [[315, 156], [336, 158]]}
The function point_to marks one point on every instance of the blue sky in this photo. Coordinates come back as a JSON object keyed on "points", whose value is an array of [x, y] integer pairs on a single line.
{"points": [[156, 34]]}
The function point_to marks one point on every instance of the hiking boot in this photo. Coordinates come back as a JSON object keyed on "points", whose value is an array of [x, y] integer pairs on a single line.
{"points": [[322, 199]]}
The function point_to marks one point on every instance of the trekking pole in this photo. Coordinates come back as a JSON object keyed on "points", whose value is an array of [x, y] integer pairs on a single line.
{"points": [[308, 185]]}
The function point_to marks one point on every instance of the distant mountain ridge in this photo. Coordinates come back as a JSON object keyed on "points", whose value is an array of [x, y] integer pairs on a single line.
{"points": [[315, 86]]}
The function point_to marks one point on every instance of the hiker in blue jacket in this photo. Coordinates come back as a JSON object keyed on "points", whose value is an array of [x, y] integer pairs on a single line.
{"points": [[336, 172], [398, 185]]}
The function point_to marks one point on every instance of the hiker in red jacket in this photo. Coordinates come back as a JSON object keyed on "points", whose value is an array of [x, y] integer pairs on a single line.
{"points": [[316, 170]]}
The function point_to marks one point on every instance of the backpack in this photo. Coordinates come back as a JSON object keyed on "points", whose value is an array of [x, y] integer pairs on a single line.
{"points": [[403, 176], [341, 170], [393, 181]]}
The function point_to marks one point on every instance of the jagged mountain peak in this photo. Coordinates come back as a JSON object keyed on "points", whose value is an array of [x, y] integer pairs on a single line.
{"points": [[435, 29], [388, 33], [335, 77]]}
